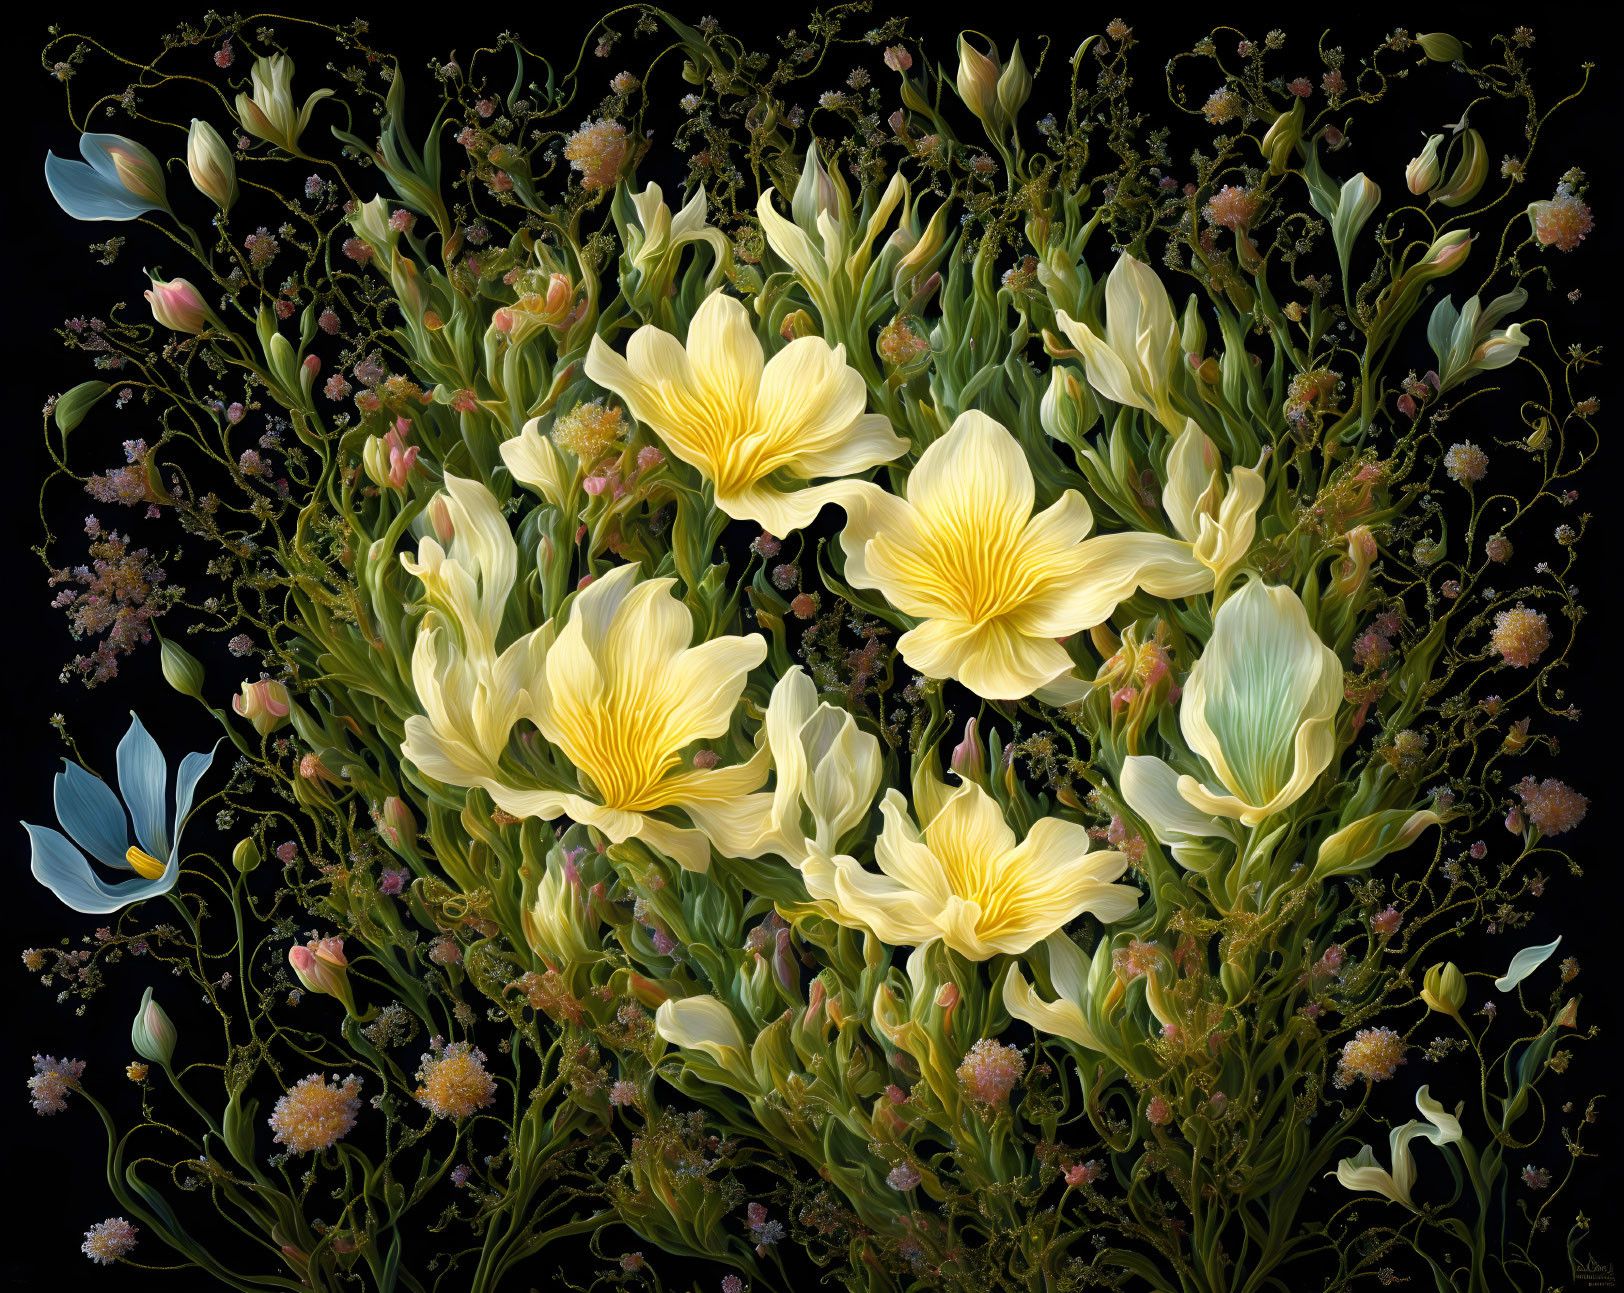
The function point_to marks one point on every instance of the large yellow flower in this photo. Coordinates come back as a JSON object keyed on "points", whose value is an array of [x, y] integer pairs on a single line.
{"points": [[746, 423], [621, 694], [965, 880], [618, 691], [994, 585]]}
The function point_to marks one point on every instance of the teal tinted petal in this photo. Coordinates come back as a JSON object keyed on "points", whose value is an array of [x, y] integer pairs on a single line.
{"points": [[1525, 963], [63, 870], [192, 768], [90, 812], [143, 777], [86, 195]]}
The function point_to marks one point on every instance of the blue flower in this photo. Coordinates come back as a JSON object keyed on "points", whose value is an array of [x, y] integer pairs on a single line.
{"points": [[91, 813], [123, 180]]}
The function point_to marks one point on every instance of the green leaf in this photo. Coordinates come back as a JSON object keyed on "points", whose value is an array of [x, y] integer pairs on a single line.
{"points": [[71, 408]]}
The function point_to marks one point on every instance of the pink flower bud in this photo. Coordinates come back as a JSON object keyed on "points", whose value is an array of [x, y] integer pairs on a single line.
{"points": [[317, 973], [178, 306], [969, 760]]}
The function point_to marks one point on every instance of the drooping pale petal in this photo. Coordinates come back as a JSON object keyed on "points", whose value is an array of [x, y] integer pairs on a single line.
{"points": [[1131, 363], [1258, 706], [1063, 1017], [1150, 788], [1362, 1172], [1361, 844], [701, 1024], [895, 913], [533, 460], [63, 870], [1525, 963], [994, 659]]}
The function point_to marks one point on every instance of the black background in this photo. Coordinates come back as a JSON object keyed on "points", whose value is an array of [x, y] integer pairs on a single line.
{"points": [[55, 1164]]}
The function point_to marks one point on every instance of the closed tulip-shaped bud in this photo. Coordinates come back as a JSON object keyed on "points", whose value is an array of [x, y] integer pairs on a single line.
{"points": [[178, 306], [1067, 409], [264, 704], [1444, 989], [397, 825], [1193, 331], [1426, 170], [818, 192], [321, 966], [181, 669], [977, 81], [1469, 175], [153, 1033], [969, 758], [375, 461], [1356, 203], [798, 324], [1282, 138], [210, 164], [1440, 47], [246, 856], [1445, 256], [1014, 84]]}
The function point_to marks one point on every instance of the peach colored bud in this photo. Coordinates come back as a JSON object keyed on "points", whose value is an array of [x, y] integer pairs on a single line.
{"points": [[264, 704], [315, 974]]}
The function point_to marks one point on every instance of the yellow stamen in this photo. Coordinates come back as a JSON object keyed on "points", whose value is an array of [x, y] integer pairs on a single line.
{"points": [[143, 863]]}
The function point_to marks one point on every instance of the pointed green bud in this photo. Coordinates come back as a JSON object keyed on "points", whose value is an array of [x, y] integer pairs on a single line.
{"points": [[153, 1034], [1440, 47], [182, 671]]}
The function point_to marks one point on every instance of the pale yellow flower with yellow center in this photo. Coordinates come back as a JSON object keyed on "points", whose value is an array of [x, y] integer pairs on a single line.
{"points": [[621, 694], [965, 880], [993, 584], [756, 429]]}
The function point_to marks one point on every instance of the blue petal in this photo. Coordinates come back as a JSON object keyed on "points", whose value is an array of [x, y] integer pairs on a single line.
{"points": [[62, 869], [143, 780], [90, 812], [192, 768], [85, 195]]}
